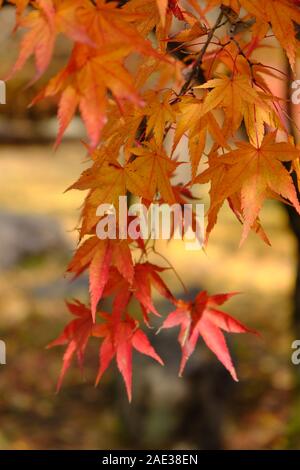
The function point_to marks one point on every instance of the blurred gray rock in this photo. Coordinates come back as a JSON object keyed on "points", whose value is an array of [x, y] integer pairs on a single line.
{"points": [[23, 235]]}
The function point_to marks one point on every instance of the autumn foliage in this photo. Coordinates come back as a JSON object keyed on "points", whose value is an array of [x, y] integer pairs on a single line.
{"points": [[142, 73]]}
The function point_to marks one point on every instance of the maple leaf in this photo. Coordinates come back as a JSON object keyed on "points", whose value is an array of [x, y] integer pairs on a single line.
{"points": [[202, 318], [120, 131], [50, 18], [282, 14], [149, 16], [150, 172], [238, 97], [120, 338], [98, 68], [107, 180], [257, 172], [84, 83], [195, 31], [215, 178], [159, 113], [256, 114], [190, 119], [108, 24], [99, 256], [146, 275], [76, 334]]}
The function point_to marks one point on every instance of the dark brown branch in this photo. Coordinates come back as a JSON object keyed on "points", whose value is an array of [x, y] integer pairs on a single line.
{"points": [[198, 62]]}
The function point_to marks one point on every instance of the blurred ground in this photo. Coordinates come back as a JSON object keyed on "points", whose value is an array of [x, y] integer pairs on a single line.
{"points": [[260, 411]]}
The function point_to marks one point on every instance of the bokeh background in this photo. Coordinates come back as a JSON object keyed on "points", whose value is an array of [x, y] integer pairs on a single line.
{"points": [[203, 410]]}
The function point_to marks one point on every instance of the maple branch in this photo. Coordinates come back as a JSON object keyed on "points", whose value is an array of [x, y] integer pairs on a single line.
{"points": [[242, 53], [121, 3], [198, 62]]}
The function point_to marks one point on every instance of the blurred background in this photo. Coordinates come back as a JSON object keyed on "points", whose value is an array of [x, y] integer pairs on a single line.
{"points": [[203, 410]]}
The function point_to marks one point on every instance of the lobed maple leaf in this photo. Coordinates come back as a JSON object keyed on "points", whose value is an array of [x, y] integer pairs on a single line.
{"points": [[96, 68], [202, 318], [146, 277], [150, 172], [50, 18], [256, 172], [192, 121], [120, 338], [84, 84], [240, 100], [108, 24], [99, 256], [107, 180], [150, 19], [146, 175], [265, 110], [282, 15], [159, 113], [76, 334], [215, 179]]}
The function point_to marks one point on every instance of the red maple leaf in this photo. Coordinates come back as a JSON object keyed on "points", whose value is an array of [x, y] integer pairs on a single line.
{"points": [[99, 256], [146, 276], [76, 335], [202, 318], [176, 10], [120, 338]]}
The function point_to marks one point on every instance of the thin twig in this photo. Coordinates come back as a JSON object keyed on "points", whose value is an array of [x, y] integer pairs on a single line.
{"points": [[199, 59]]}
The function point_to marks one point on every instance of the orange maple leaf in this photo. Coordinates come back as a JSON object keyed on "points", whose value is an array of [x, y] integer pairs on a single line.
{"points": [[84, 83], [191, 120], [50, 18], [215, 178], [145, 176], [239, 99], [256, 172], [150, 172], [281, 14]]}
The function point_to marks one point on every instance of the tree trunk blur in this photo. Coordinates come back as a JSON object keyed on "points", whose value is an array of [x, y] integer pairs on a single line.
{"points": [[294, 218]]}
